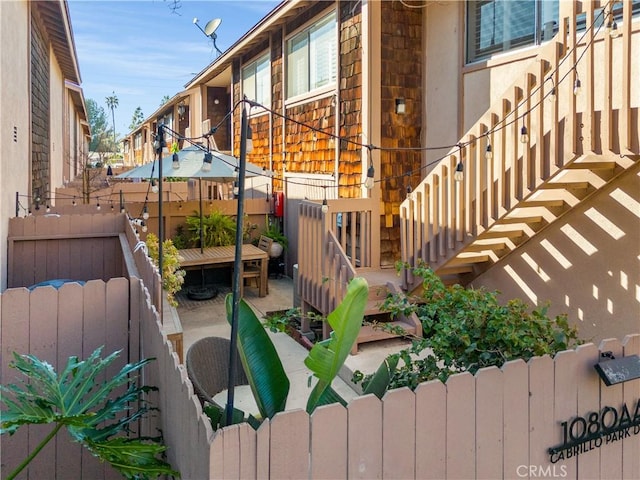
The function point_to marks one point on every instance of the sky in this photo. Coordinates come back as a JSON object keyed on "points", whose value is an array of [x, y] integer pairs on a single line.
{"points": [[144, 50]]}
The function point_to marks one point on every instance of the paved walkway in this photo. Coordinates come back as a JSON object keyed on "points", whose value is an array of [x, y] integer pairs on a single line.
{"points": [[207, 318]]}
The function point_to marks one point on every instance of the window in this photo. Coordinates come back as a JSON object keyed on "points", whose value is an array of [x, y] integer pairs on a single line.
{"points": [[495, 26], [256, 81], [311, 57]]}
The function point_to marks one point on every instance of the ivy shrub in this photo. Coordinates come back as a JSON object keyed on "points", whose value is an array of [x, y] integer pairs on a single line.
{"points": [[467, 329]]}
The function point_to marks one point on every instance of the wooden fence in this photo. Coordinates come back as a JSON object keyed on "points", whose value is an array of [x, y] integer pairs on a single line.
{"points": [[53, 325], [500, 423]]}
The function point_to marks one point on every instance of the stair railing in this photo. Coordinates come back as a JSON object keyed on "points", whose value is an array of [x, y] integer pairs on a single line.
{"points": [[443, 215]]}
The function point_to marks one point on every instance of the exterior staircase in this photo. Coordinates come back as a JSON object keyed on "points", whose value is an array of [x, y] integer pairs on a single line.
{"points": [[461, 228]]}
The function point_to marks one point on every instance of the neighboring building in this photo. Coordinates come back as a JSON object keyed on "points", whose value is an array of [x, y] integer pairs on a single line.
{"points": [[42, 112], [428, 85]]}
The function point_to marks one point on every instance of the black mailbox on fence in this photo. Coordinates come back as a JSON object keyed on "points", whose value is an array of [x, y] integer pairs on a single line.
{"points": [[617, 370]]}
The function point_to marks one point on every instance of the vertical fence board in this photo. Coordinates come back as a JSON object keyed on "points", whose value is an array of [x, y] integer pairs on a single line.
{"points": [[489, 418], [216, 458], [631, 393], [399, 422], [365, 437], [69, 343], [588, 401], [42, 344], [231, 452], [94, 306], [461, 431], [542, 428], [263, 450], [431, 418], [248, 445], [14, 335], [611, 450], [515, 422], [329, 442], [566, 401], [290, 435]]}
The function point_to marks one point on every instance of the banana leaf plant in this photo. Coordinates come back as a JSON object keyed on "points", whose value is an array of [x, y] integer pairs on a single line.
{"points": [[79, 399], [267, 378]]}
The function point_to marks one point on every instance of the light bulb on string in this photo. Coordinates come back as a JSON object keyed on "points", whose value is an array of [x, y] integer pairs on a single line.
{"points": [[325, 205], [614, 32], [577, 87], [48, 209], [207, 161], [154, 186], [145, 213], [369, 182], [73, 202], [144, 227], [458, 175], [524, 134], [98, 206], [175, 161], [236, 189], [488, 154], [409, 192]]}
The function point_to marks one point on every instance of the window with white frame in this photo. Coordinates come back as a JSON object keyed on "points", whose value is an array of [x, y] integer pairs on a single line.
{"points": [[312, 57], [256, 81], [495, 26], [137, 141]]}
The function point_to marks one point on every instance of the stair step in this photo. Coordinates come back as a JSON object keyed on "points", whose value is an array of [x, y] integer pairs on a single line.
{"points": [[369, 333]]}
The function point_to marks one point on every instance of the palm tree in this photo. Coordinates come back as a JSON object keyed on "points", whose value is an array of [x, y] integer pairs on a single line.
{"points": [[112, 104]]}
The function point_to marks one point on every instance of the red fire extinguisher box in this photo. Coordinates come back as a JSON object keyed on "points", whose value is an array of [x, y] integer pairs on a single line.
{"points": [[279, 204]]}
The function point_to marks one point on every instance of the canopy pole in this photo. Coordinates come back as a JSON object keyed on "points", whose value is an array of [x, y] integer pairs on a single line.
{"points": [[237, 267]]}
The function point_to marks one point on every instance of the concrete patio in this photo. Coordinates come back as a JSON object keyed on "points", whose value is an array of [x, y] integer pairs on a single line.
{"points": [[207, 318]]}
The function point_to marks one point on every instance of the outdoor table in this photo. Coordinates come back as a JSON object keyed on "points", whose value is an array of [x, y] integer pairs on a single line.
{"points": [[219, 256]]}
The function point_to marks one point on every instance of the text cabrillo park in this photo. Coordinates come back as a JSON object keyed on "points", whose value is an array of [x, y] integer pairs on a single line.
{"points": [[596, 429]]}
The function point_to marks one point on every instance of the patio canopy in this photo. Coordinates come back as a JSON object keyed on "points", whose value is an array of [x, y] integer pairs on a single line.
{"points": [[223, 167]]}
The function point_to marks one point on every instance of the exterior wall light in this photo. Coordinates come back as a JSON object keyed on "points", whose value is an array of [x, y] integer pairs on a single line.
{"points": [[401, 107]]}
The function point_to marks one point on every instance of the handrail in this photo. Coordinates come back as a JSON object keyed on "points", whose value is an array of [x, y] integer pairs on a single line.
{"points": [[443, 216], [336, 243]]}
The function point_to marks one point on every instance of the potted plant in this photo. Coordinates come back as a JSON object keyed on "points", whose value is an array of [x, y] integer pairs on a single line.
{"points": [[280, 242]]}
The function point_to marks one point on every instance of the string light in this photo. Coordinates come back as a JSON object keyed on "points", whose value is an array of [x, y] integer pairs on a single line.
{"points": [[502, 124], [207, 161], [145, 212], [577, 86], [458, 175], [552, 92], [154, 186], [325, 205], [98, 205], [524, 134]]}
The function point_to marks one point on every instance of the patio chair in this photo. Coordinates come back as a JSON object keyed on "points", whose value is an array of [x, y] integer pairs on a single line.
{"points": [[251, 269], [208, 367]]}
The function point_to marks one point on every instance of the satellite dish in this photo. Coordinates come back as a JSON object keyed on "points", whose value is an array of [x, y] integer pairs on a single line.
{"points": [[211, 27]]}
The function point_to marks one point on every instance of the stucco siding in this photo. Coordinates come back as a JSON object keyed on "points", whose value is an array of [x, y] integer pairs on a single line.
{"points": [[585, 264], [14, 117]]}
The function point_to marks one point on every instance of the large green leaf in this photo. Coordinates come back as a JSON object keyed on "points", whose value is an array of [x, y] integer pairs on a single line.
{"points": [[268, 381], [379, 383], [80, 399], [327, 357]]}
